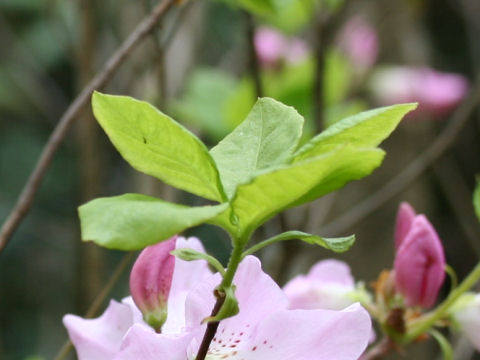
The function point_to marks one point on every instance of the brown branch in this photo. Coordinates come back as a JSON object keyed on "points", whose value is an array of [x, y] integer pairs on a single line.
{"points": [[413, 170], [211, 330], [99, 300], [26, 198]]}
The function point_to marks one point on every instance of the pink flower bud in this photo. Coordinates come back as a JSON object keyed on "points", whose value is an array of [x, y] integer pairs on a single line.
{"points": [[405, 217], [151, 280], [420, 264]]}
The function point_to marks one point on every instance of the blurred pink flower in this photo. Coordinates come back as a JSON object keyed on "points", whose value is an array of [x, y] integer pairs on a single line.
{"points": [[420, 259], [327, 286], [273, 47], [359, 41], [437, 92], [102, 338]]}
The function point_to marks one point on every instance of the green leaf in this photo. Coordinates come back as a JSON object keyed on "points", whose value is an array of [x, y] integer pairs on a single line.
{"points": [[366, 129], [476, 199], [268, 137], [259, 7], [155, 144], [338, 245], [188, 254], [444, 344], [274, 190], [134, 221], [204, 102], [229, 307]]}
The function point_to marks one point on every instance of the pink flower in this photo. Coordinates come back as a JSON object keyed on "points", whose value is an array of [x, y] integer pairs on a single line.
{"points": [[437, 93], [265, 328], [359, 41], [103, 338], [420, 260], [272, 47], [328, 285]]}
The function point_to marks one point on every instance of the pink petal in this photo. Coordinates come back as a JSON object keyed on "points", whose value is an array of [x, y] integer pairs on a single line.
{"points": [[186, 275], [405, 217], [142, 343], [312, 334], [256, 293], [99, 338], [326, 286], [296, 335], [420, 264]]}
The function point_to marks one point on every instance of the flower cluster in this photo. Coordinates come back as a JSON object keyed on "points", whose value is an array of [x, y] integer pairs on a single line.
{"points": [[271, 323], [314, 316]]}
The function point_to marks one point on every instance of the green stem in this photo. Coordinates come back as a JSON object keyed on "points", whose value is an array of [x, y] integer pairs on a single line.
{"points": [[289, 235], [227, 280], [427, 321], [233, 263]]}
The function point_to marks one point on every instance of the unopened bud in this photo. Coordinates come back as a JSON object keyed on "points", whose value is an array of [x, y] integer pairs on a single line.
{"points": [[151, 280]]}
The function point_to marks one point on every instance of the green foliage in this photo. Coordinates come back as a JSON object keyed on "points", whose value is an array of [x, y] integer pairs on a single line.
{"points": [[276, 189], [229, 307], [444, 344], [368, 128], [155, 144], [338, 245], [268, 137], [204, 103], [188, 254], [256, 171], [134, 221], [259, 7], [476, 199]]}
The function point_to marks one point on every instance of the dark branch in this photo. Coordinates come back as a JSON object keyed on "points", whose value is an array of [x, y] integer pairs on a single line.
{"points": [[25, 200]]}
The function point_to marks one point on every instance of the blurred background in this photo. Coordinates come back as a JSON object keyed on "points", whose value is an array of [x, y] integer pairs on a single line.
{"points": [[205, 65]]}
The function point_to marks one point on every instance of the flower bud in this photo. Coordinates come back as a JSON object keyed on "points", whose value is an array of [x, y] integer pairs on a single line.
{"points": [[405, 217], [420, 264], [151, 280]]}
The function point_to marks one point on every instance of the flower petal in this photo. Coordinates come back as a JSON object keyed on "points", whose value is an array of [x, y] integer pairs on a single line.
{"points": [[142, 343], [405, 217], [313, 334], [186, 275], [99, 338], [256, 293], [325, 287]]}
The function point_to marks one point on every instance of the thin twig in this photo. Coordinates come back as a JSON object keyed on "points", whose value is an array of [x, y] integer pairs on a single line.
{"points": [[413, 170], [252, 55], [326, 27], [211, 330], [26, 198], [99, 300]]}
